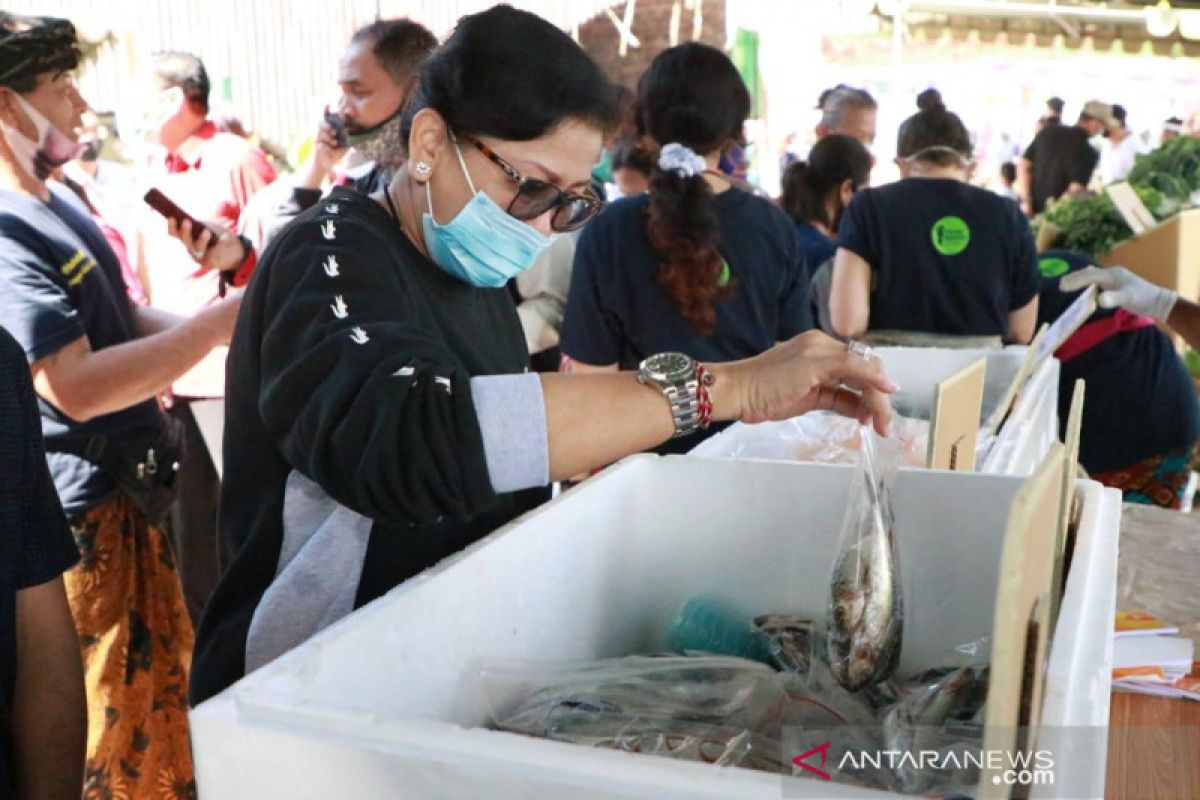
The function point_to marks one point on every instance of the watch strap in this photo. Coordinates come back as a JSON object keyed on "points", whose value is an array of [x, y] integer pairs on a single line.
{"points": [[684, 399]]}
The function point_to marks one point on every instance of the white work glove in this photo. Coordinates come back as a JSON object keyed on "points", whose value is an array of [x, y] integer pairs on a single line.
{"points": [[1122, 288]]}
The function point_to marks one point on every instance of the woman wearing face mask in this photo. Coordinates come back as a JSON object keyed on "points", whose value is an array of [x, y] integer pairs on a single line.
{"points": [[378, 418], [931, 254], [697, 264]]}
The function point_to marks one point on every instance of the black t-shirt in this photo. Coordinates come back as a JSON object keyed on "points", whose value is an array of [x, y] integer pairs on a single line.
{"points": [[35, 543], [946, 257], [618, 313], [59, 280], [1061, 155], [1140, 402], [349, 390]]}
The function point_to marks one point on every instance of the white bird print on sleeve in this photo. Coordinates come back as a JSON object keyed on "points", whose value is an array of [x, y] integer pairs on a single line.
{"points": [[331, 267], [332, 208], [339, 308], [359, 336], [328, 230]]}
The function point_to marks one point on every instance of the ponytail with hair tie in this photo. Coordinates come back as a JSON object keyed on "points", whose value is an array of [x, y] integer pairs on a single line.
{"points": [[692, 101], [682, 160]]}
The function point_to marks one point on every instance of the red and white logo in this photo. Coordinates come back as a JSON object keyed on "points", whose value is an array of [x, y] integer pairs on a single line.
{"points": [[823, 749]]}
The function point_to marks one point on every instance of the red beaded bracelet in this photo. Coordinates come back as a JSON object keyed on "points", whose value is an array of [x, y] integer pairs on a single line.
{"points": [[705, 379]]}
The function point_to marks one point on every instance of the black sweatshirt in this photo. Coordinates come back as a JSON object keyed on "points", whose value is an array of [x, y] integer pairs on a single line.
{"points": [[353, 456]]}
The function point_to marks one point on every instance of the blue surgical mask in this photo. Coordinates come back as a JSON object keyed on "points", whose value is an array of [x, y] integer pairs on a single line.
{"points": [[483, 245]]}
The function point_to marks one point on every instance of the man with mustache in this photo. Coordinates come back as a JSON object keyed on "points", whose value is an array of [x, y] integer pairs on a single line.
{"points": [[376, 74]]}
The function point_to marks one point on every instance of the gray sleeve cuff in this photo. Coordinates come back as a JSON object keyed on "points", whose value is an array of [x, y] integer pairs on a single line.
{"points": [[512, 418]]}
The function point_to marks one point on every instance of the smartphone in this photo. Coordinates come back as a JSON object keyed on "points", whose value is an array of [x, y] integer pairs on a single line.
{"points": [[338, 123], [165, 206]]}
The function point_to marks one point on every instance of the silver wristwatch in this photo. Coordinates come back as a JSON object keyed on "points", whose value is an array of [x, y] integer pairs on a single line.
{"points": [[675, 375]]}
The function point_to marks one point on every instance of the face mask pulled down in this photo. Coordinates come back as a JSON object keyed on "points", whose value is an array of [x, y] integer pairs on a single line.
{"points": [[51, 150], [483, 245], [380, 143]]}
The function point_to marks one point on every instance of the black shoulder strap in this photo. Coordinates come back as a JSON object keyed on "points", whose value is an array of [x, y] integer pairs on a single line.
{"points": [[89, 448]]}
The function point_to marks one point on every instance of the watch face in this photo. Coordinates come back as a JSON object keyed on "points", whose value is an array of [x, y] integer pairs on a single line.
{"points": [[669, 366]]}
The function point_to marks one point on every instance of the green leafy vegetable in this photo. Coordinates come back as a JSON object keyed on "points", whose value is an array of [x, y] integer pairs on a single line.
{"points": [[1173, 169], [1167, 180], [1092, 225]]}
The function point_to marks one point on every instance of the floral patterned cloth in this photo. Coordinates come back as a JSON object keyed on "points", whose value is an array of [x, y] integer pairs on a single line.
{"points": [[137, 640], [1159, 481]]}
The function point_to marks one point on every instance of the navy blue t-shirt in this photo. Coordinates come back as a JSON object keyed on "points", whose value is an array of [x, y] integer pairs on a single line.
{"points": [[1140, 402], [816, 246], [617, 313], [60, 280], [946, 257], [35, 543]]}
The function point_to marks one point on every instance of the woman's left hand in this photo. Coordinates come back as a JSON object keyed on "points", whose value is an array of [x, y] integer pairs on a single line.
{"points": [[810, 372]]}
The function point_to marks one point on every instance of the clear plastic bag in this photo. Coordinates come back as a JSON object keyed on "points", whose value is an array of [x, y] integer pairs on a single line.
{"points": [[820, 437], [714, 709], [928, 741], [861, 708], [866, 613], [935, 712]]}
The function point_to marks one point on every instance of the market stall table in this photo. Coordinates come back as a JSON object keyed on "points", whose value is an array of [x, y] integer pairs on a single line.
{"points": [[1154, 742], [1153, 748]]}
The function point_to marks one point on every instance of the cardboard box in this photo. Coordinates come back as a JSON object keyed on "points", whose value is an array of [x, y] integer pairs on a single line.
{"points": [[386, 703], [1168, 254]]}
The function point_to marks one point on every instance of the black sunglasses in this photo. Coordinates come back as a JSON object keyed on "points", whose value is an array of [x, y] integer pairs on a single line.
{"points": [[535, 197]]}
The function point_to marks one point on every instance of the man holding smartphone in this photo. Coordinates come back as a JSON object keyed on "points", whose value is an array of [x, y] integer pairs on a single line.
{"points": [[97, 363], [376, 74]]}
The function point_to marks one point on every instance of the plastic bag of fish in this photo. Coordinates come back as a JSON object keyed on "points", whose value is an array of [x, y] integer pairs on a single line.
{"points": [[923, 736], [929, 740], [866, 613], [713, 709]]}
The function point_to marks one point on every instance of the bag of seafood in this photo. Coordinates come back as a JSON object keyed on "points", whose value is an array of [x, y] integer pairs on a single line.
{"points": [[866, 610]]}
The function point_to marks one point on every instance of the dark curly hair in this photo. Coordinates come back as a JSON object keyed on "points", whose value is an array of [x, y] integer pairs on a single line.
{"points": [[691, 95], [33, 46]]}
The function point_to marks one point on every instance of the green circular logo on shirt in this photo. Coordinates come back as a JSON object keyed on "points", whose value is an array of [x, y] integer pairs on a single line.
{"points": [[723, 280], [1053, 267], [950, 236]]}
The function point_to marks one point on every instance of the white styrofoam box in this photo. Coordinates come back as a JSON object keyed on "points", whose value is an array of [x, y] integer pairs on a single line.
{"points": [[387, 702], [1031, 428], [1079, 671]]}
